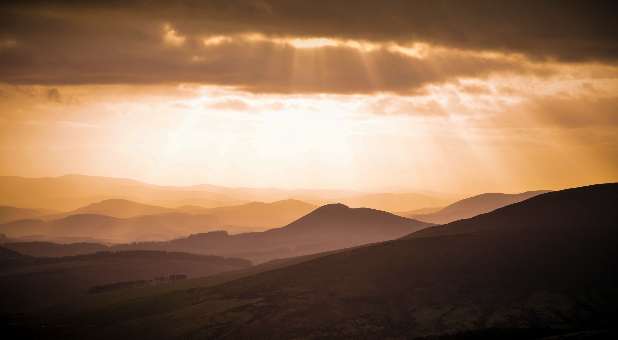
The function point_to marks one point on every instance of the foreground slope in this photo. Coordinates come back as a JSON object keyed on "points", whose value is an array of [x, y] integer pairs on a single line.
{"points": [[329, 227], [473, 206], [28, 283], [543, 266]]}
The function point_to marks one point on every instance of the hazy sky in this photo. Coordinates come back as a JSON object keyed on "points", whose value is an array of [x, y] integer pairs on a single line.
{"points": [[456, 96]]}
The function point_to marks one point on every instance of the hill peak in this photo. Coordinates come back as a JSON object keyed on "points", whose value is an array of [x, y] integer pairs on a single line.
{"points": [[332, 207], [120, 208]]}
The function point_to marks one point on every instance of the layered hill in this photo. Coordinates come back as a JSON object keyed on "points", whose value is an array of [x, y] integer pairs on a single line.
{"points": [[119, 208], [51, 249], [122, 221], [9, 214], [540, 267], [473, 206], [70, 192], [330, 227], [256, 214], [393, 202], [111, 229]]}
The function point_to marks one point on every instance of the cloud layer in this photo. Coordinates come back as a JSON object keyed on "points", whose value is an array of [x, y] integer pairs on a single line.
{"points": [[316, 46]]}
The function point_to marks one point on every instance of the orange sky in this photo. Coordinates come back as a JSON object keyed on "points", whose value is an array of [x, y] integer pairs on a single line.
{"points": [[172, 102]]}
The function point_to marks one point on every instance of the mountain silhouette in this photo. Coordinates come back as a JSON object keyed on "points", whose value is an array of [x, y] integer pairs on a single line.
{"points": [[71, 192], [329, 227], [8, 255], [393, 202], [473, 206], [50, 249], [122, 221], [256, 214], [111, 229], [9, 214], [120, 208], [543, 266]]}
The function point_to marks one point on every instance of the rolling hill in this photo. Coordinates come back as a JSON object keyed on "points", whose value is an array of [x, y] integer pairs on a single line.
{"points": [[71, 192], [544, 266], [473, 206], [112, 230], [9, 214], [119, 208], [257, 215], [119, 221], [50, 249], [392, 202], [329, 227]]}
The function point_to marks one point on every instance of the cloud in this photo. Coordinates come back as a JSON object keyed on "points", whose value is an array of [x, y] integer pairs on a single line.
{"points": [[568, 30], [229, 105], [171, 37], [296, 46], [427, 107], [255, 66]]}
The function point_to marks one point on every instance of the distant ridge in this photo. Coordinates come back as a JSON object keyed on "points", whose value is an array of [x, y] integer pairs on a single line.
{"points": [[9, 214], [475, 205], [258, 215], [120, 208], [329, 227], [119, 221], [70, 192], [112, 229]]}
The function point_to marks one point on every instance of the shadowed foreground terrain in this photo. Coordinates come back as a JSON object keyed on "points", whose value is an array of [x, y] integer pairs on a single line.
{"points": [[545, 266], [29, 283]]}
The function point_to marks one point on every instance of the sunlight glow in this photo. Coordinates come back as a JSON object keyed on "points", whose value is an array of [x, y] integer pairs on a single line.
{"points": [[171, 36]]}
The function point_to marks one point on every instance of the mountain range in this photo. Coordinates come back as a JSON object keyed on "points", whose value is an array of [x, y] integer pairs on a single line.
{"points": [[327, 228], [118, 221], [70, 192], [9, 214], [544, 266]]}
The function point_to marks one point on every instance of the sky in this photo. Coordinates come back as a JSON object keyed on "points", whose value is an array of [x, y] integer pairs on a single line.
{"points": [[448, 96]]}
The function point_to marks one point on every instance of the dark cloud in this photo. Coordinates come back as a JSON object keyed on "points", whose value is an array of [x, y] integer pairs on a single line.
{"points": [[75, 42], [252, 66], [566, 29]]}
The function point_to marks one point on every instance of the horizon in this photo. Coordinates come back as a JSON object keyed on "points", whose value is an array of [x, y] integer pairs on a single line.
{"points": [[443, 193], [250, 94]]}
